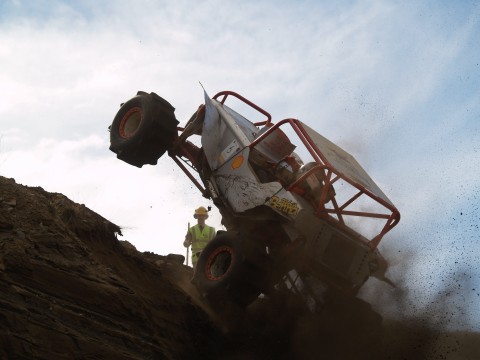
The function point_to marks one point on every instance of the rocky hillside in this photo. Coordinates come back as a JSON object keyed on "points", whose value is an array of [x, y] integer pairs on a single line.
{"points": [[69, 289]]}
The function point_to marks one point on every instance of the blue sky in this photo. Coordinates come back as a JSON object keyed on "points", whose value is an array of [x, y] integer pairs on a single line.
{"points": [[397, 84]]}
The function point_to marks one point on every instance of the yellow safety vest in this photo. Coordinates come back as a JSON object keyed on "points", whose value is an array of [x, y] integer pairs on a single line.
{"points": [[200, 238]]}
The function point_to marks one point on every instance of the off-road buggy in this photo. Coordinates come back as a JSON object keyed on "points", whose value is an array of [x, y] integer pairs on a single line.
{"points": [[300, 213]]}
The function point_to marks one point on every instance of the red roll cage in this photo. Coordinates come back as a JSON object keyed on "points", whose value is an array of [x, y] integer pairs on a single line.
{"points": [[187, 153]]}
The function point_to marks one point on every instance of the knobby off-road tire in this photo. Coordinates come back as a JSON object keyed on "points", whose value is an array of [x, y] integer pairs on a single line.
{"points": [[230, 269], [143, 129]]}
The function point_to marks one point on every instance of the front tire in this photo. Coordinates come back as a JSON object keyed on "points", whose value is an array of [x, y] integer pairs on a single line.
{"points": [[144, 128]]}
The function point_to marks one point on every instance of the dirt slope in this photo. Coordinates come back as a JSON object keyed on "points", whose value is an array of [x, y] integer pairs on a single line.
{"points": [[70, 290]]}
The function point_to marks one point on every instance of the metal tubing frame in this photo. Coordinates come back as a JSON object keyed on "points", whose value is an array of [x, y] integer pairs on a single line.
{"points": [[225, 94], [323, 165], [392, 219], [176, 158], [183, 151]]}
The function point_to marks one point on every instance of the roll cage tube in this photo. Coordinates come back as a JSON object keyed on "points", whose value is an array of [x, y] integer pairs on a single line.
{"points": [[331, 176], [189, 154], [225, 94]]}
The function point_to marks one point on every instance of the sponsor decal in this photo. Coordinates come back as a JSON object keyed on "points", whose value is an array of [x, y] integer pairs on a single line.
{"points": [[284, 205], [237, 162], [228, 152]]}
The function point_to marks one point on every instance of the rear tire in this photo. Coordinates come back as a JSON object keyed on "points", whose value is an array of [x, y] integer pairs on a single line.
{"points": [[143, 129], [230, 269]]}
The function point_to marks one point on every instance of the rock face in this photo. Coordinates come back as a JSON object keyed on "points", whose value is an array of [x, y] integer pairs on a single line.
{"points": [[69, 289]]}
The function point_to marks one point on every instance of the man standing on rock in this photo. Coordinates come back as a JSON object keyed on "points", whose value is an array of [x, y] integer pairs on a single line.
{"points": [[199, 235]]}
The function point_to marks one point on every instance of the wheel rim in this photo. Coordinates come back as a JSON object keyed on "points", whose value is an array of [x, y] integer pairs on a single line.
{"points": [[219, 263], [130, 122]]}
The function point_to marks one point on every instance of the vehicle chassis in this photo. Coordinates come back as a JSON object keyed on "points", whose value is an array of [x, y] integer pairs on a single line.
{"points": [[276, 236]]}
